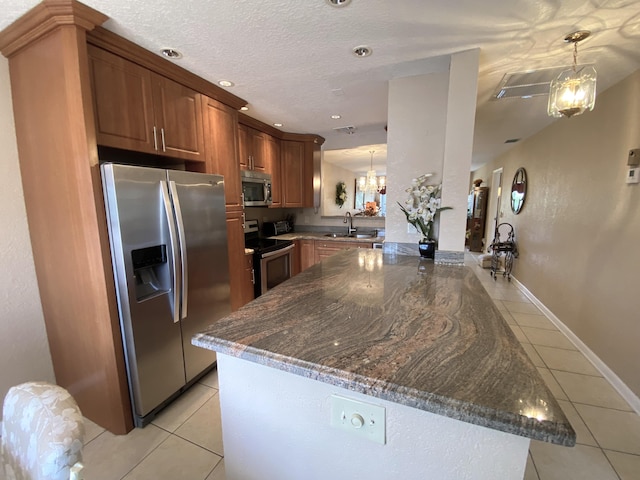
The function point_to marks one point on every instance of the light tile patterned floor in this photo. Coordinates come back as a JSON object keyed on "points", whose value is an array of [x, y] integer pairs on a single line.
{"points": [[185, 440]]}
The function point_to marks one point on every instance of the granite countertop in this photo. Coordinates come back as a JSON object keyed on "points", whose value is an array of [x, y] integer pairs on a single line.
{"points": [[401, 329], [323, 236]]}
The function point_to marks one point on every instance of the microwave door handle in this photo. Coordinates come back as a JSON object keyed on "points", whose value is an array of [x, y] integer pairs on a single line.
{"points": [[266, 192], [174, 250], [183, 247]]}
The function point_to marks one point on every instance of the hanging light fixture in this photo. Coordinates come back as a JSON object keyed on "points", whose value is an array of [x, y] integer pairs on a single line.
{"points": [[372, 180], [574, 90], [372, 183]]}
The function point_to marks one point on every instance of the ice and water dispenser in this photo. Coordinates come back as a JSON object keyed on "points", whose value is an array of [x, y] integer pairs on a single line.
{"points": [[151, 271]]}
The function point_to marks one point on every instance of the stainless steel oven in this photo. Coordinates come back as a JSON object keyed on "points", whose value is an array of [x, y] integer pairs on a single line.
{"points": [[272, 258], [275, 267]]}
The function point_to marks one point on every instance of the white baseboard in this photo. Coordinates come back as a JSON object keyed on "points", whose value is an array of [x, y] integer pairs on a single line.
{"points": [[630, 397]]}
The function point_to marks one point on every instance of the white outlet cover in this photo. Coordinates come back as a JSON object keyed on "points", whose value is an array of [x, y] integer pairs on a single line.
{"points": [[359, 418]]}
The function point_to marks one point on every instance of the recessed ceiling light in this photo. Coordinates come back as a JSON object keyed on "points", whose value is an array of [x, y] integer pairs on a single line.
{"points": [[225, 83], [338, 3], [244, 108], [171, 53], [362, 51], [277, 124], [336, 117]]}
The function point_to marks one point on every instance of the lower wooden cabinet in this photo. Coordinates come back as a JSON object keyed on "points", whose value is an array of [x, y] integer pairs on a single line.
{"points": [[307, 254], [248, 280], [310, 252], [324, 249], [235, 248]]}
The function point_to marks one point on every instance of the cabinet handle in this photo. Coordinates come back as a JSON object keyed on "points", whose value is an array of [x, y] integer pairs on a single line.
{"points": [[253, 276], [164, 149], [155, 138]]}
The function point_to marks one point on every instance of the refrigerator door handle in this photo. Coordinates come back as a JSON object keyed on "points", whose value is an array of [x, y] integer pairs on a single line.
{"points": [[183, 247], [174, 249]]}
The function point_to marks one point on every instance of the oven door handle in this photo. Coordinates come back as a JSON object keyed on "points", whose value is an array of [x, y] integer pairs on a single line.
{"points": [[277, 252]]}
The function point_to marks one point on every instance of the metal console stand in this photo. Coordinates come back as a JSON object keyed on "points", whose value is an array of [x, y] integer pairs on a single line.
{"points": [[504, 242]]}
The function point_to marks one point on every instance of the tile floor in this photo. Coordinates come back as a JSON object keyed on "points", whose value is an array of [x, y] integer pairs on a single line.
{"points": [[185, 440]]}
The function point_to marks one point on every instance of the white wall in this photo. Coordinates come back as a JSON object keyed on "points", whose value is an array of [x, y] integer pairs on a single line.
{"points": [[331, 175], [24, 351], [579, 229], [415, 142]]}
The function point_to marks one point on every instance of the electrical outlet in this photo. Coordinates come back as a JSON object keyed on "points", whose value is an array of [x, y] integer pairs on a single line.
{"points": [[359, 418]]}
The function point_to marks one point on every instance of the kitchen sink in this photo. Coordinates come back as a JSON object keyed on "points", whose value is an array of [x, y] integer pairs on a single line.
{"points": [[337, 235], [351, 235], [361, 235]]}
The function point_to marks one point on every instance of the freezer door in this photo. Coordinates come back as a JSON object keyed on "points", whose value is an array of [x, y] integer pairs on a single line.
{"points": [[140, 231], [201, 222]]}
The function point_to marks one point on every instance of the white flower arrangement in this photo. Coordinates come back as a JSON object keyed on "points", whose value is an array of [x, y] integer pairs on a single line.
{"points": [[422, 206]]}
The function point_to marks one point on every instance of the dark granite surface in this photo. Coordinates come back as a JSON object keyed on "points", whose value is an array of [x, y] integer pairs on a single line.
{"points": [[401, 329]]}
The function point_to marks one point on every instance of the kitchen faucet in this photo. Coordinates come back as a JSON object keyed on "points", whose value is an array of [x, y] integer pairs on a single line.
{"points": [[349, 219]]}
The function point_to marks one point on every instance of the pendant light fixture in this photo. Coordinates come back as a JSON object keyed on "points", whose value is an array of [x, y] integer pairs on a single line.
{"points": [[574, 90], [372, 183]]}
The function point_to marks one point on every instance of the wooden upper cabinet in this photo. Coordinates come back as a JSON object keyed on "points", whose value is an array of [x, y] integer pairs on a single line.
{"points": [[292, 162], [136, 109], [178, 117], [123, 102], [221, 126], [252, 147], [272, 165]]}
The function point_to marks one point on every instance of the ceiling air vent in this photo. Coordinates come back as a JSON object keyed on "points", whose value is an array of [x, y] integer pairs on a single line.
{"points": [[349, 130], [526, 84]]}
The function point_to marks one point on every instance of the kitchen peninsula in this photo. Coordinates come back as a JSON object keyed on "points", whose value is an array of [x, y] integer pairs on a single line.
{"points": [[425, 342]]}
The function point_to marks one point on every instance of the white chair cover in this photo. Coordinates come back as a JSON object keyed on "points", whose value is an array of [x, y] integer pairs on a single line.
{"points": [[42, 432]]}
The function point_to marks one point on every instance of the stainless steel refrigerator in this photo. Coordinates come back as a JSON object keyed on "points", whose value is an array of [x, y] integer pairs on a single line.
{"points": [[168, 236]]}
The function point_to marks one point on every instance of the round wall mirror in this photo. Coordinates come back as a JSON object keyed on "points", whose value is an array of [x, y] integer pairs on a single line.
{"points": [[518, 190]]}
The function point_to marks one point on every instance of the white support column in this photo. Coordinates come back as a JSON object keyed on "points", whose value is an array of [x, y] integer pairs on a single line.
{"points": [[460, 121]]}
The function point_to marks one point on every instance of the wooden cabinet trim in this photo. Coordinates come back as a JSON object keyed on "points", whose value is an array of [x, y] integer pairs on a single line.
{"points": [[45, 18]]}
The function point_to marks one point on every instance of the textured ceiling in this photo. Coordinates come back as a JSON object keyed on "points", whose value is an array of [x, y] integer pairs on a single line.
{"points": [[292, 61]]}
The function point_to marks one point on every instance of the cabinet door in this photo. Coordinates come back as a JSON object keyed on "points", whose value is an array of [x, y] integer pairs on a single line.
{"points": [[307, 254], [292, 173], [272, 162], [327, 248], [122, 101], [259, 140], [248, 280], [221, 126], [252, 149], [178, 114], [244, 147], [312, 155], [235, 248]]}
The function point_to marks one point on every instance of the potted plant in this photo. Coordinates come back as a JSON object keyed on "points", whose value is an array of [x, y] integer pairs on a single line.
{"points": [[421, 208]]}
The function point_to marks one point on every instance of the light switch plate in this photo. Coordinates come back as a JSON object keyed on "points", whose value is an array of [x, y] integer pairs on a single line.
{"points": [[633, 176], [359, 418]]}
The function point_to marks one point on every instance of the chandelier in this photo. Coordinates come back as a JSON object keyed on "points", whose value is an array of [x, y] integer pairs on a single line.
{"points": [[372, 183], [574, 90]]}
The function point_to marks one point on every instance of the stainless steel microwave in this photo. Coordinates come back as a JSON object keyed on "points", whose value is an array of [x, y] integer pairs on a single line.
{"points": [[256, 188]]}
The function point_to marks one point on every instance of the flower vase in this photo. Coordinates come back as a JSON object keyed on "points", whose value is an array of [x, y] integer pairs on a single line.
{"points": [[427, 248]]}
